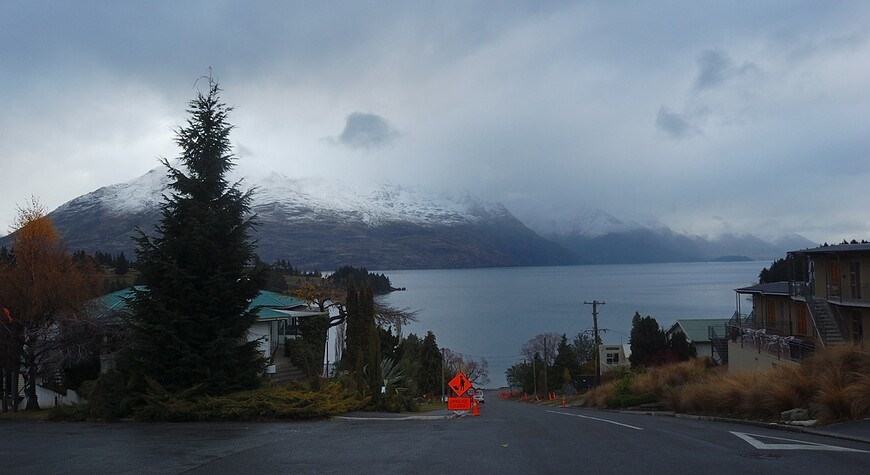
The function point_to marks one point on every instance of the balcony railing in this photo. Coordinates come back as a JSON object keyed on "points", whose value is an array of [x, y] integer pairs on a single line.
{"points": [[789, 347], [850, 294]]}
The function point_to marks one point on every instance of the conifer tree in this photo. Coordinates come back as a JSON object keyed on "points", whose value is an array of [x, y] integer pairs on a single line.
{"points": [[566, 360], [192, 318], [432, 366], [353, 338], [647, 341]]}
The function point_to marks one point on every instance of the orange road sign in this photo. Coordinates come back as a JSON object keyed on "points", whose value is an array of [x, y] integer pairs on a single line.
{"points": [[459, 384], [458, 404]]}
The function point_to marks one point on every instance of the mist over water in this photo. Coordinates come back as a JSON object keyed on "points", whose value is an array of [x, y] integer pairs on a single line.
{"points": [[492, 312]]}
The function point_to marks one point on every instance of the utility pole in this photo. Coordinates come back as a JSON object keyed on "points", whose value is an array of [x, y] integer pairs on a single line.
{"points": [[534, 376], [595, 305], [546, 388], [443, 399]]}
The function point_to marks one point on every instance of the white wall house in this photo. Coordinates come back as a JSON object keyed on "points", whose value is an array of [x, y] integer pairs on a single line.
{"points": [[613, 356]]}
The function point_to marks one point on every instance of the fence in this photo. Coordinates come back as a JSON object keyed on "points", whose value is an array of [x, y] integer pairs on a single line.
{"points": [[782, 347]]}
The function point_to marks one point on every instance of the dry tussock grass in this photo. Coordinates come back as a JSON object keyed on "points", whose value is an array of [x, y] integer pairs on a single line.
{"points": [[859, 393], [597, 396], [663, 379], [841, 389], [834, 384]]}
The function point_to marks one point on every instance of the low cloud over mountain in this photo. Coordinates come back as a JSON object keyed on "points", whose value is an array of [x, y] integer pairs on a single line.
{"points": [[600, 238]]}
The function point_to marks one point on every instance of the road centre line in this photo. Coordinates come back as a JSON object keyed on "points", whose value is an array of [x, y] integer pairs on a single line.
{"points": [[596, 419]]}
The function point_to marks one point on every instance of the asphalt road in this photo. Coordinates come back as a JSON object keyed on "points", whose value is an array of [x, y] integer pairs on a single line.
{"points": [[508, 437]]}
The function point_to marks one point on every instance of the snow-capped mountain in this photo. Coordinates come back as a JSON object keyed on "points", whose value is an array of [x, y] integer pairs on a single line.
{"points": [[374, 206], [323, 224], [317, 223], [306, 198]]}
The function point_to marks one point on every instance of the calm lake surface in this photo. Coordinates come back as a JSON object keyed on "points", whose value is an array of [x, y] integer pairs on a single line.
{"points": [[492, 312]]}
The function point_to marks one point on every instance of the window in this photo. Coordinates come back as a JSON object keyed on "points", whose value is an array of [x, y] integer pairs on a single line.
{"points": [[612, 358]]}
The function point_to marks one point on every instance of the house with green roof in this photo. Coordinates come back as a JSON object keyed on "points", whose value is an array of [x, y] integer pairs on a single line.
{"points": [[707, 334], [277, 319]]}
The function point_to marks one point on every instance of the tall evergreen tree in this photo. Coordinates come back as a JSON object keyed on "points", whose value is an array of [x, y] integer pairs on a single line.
{"points": [[566, 360], [353, 338], [432, 366], [648, 341], [192, 318], [368, 333], [679, 344]]}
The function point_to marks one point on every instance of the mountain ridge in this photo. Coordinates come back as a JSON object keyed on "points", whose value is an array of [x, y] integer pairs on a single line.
{"points": [[318, 223]]}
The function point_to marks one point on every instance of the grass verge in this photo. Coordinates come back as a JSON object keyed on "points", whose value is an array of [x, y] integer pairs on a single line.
{"points": [[833, 385]]}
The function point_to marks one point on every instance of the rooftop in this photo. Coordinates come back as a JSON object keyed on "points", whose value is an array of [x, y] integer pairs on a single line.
{"points": [[771, 288], [836, 248], [697, 330], [266, 302]]}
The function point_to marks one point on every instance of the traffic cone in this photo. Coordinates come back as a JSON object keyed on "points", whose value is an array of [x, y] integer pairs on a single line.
{"points": [[474, 410], [563, 402]]}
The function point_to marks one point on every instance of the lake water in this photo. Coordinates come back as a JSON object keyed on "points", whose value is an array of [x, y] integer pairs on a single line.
{"points": [[492, 312]]}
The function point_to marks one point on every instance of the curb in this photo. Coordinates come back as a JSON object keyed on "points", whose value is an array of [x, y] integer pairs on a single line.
{"points": [[399, 418]]}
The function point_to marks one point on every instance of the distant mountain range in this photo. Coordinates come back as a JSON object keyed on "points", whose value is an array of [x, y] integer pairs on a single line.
{"points": [[323, 224], [600, 238]]}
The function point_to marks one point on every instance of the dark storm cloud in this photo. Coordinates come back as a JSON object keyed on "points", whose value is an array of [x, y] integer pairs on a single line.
{"points": [[674, 124], [716, 67], [365, 131], [499, 98]]}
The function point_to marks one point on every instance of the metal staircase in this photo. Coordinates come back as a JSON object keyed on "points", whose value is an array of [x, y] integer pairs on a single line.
{"points": [[719, 342], [826, 324]]}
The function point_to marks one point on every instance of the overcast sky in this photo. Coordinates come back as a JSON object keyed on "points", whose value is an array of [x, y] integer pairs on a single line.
{"points": [[709, 117]]}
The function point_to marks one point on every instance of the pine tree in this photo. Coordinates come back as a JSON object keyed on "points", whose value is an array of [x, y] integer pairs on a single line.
{"points": [[353, 338], [565, 361], [647, 341], [432, 366], [192, 317], [679, 344], [121, 265]]}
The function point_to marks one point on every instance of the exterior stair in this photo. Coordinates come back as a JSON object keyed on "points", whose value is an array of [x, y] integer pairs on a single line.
{"points": [[828, 328], [720, 349], [285, 371], [719, 341]]}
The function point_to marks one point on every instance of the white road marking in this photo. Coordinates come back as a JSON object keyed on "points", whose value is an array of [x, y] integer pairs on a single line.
{"points": [[752, 439], [595, 419]]}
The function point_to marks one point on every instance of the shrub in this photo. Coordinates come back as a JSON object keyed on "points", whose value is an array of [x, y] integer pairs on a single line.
{"points": [[259, 404], [621, 395], [106, 398], [71, 413]]}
